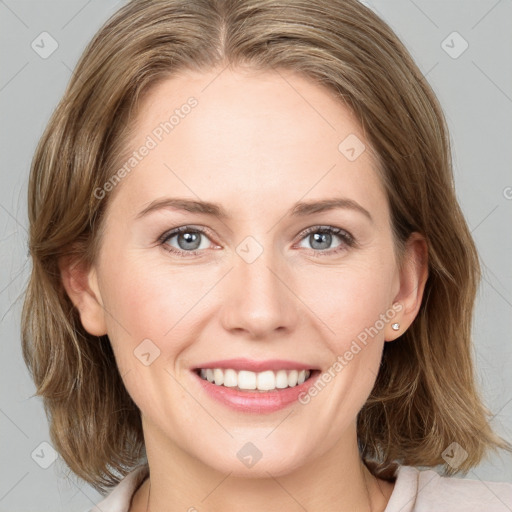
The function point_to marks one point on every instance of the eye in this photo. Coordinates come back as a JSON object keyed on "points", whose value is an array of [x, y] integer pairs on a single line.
{"points": [[321, 239], [190, 240]]}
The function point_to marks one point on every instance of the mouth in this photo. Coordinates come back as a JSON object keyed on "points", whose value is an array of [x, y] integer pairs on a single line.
{"points": [[256, 382]]}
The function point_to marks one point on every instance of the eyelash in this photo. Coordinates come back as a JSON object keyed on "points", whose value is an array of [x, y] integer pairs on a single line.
{"points": [[348, 241]]}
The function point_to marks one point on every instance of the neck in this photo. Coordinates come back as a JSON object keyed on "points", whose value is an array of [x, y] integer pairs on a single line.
{"points": [[337, 480]]}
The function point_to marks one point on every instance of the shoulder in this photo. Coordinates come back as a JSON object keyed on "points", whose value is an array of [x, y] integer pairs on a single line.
{"points": [[425, 490], [119, 498]]}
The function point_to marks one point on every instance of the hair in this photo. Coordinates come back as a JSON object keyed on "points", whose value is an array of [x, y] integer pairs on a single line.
{"points": [[421, 401]]}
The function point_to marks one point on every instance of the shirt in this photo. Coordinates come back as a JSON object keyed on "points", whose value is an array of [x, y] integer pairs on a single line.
{"points": [[415, 491]]}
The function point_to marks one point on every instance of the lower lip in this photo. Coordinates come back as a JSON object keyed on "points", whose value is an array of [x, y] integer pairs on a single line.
{"points": [[256, 402]]}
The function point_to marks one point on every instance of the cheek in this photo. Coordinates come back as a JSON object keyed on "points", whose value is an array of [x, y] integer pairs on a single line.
{"points": [[349, 299], [358, 298], [147, 300], [149, 324]]}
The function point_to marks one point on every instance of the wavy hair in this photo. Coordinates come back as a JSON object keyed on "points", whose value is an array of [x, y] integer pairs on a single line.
{"points": [[422, 401]]}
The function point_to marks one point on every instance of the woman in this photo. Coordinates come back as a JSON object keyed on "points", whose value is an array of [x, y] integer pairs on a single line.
{"points": [[251, 276]]}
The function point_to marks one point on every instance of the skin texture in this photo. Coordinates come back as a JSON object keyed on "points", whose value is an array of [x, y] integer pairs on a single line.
{"points": [[256, 143]]}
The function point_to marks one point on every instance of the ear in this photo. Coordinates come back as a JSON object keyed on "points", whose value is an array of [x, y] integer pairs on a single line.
{"points": [[413, 277], [81, 285]]}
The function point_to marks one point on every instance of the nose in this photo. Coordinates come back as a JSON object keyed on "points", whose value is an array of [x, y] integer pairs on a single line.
{"points": [[260, 301]]}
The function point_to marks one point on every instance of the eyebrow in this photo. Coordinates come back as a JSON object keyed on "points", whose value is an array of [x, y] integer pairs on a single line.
{"points": [[299, 209]]}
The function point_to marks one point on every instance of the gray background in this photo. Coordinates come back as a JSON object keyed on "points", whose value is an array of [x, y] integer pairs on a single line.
{"points": [[475, 90]]}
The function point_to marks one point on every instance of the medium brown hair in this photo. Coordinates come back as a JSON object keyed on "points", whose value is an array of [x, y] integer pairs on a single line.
{"points": [[425, 396]]}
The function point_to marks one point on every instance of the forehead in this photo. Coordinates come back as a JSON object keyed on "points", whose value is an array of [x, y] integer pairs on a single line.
{"points": [[274, 135], [248, 106]]}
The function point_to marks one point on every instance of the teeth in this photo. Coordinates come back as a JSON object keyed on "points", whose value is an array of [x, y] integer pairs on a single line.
{"points": [[230, 379], [282, 380], [266, 380], [262, 381]]}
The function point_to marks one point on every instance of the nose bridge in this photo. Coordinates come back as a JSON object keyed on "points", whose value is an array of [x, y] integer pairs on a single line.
{"points": [[259, 300]]}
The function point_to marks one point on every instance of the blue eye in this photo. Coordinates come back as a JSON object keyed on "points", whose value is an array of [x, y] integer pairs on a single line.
{"points": [[188, 240], [191, 241], [321, 237]]}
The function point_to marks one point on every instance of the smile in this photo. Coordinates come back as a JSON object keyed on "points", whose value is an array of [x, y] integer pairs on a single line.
{"points": [[244, 380], [244, 395]]}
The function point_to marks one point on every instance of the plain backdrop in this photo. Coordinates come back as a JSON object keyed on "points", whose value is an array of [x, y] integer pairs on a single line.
{"points": [[470, 71]]}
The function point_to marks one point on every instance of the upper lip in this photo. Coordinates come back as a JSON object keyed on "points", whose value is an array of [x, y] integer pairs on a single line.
{"points": [[242, 363]]}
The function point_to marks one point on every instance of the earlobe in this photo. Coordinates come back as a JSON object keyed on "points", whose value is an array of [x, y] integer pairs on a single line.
{"points": [[81, 285], [413, 277]]}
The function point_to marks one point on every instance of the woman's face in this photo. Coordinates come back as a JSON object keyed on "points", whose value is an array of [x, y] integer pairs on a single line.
{"points": [[254, 276]]}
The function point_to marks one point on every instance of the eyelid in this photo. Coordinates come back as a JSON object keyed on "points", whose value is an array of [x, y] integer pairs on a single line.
{"points": [[185, 227], [348, 240], [162, 239], [343, 233]]}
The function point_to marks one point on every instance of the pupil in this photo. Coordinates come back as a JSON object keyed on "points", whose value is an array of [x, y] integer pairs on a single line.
{"points": [[322, 238], [190, 238]]}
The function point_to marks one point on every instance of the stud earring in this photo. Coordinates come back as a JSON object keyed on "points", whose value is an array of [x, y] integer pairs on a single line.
{"points": [[395, 326]]}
